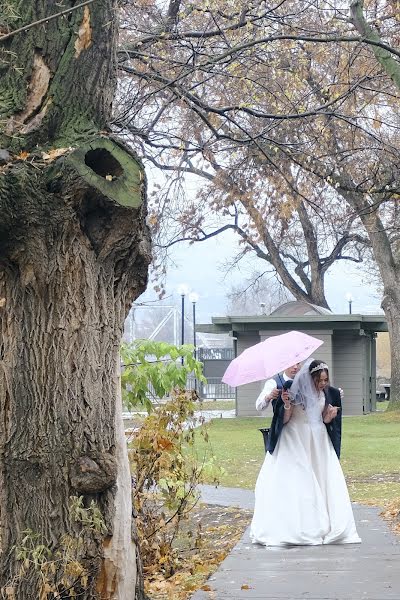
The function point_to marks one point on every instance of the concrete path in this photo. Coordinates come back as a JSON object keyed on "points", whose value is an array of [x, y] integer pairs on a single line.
{"points": [[366, 571]]}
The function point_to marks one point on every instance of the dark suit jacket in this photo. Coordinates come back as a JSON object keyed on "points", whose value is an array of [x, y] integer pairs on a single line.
{"points": [[277, 420], [334, 428]]}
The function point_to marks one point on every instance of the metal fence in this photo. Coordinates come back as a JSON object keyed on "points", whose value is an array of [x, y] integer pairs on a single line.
{"points": [[215, 354], [214, 389]]}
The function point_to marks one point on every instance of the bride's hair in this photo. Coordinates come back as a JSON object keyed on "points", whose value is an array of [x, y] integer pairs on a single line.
{"points": [[304, 390], [316, 368]]}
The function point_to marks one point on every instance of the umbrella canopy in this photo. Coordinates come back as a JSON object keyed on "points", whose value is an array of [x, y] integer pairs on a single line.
{"points": [[270, 357]]}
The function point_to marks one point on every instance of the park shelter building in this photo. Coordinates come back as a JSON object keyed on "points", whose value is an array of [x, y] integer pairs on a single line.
{"points": [[349, 349]]}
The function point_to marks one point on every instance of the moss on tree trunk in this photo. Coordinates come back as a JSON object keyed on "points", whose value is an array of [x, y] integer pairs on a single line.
{"points": [[57, 81]]}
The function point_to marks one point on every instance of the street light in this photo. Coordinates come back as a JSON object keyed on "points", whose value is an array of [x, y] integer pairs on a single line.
{"points": [[183, 290], [193, 297], [349, 299]]}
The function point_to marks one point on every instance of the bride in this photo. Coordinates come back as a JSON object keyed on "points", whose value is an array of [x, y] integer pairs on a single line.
{"points": [[301, 496]]}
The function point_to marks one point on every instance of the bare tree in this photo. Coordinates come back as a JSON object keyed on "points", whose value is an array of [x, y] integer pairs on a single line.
{"points": [[233, 149], [290, 113], [260, 293]]}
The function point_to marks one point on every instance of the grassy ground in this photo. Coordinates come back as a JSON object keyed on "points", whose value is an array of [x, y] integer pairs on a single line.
{"points": [[218, 405], [382, 406], [370, 454]]}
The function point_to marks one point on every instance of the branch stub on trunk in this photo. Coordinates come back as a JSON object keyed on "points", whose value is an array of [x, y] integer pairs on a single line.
{"points": [[112, 170]]}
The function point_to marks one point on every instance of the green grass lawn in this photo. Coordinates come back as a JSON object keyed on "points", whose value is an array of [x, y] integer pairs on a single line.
{"points": [[382, 405], [217, 405], [370, 453]]}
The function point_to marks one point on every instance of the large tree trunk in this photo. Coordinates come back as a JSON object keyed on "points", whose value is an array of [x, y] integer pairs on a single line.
{"points": [[388, 262], [74, 252], [69, 272], [391, 306]]}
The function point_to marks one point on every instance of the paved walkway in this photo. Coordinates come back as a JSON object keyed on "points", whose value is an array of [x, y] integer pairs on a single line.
{"points": [[366, 571]]}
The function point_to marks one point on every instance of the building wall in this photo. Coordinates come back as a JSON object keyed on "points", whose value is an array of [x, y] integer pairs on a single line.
{"points": [[352, 371], [383, 356], [215, 368]]}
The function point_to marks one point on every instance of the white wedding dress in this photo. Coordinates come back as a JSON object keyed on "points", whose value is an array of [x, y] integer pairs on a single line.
{"points": [[301, 496]]}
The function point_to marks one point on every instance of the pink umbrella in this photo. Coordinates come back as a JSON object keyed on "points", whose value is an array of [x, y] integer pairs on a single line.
{"points": [[270, 357]]}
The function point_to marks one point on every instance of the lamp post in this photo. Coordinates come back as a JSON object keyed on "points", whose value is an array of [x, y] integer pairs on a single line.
{"points": [[183, 290], [349, 299], [193, 297]]}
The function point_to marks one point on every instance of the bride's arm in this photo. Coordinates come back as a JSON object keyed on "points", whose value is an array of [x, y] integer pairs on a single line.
{"points": [[330, 413]]}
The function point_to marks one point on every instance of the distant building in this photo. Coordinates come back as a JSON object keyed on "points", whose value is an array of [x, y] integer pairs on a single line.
{"points": [[349, 348]]}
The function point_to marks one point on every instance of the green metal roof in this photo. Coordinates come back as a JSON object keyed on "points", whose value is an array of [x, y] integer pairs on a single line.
{"points": [[371, 323]]}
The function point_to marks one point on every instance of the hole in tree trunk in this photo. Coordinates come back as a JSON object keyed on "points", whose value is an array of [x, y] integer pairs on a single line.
{"points": [[102, 162]]}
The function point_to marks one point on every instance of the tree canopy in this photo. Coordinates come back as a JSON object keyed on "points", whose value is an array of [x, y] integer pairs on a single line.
{"points": [[284, 113], [287, 114]]}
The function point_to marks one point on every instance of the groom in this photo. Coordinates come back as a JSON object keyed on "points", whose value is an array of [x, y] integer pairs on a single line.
{"points": [[272, 392], [273, 387]]}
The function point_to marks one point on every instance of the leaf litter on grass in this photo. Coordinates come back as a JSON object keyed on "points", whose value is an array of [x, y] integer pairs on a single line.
{"points": [[391, 513]]}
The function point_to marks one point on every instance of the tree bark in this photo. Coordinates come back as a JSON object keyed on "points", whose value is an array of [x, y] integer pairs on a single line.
{"points": [[57, 80], [388, 263], [391, 306], [71, 264], [74, 253], [368, 34]]}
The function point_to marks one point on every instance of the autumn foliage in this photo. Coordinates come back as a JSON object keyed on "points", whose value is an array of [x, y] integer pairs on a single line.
{"points": [[165, 467]]}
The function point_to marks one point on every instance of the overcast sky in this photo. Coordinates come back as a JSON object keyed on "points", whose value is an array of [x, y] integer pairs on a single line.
{"points": [[199, 267]]}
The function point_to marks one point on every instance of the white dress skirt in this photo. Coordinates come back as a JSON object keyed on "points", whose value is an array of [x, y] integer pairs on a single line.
{"points": [[301, 496]]}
